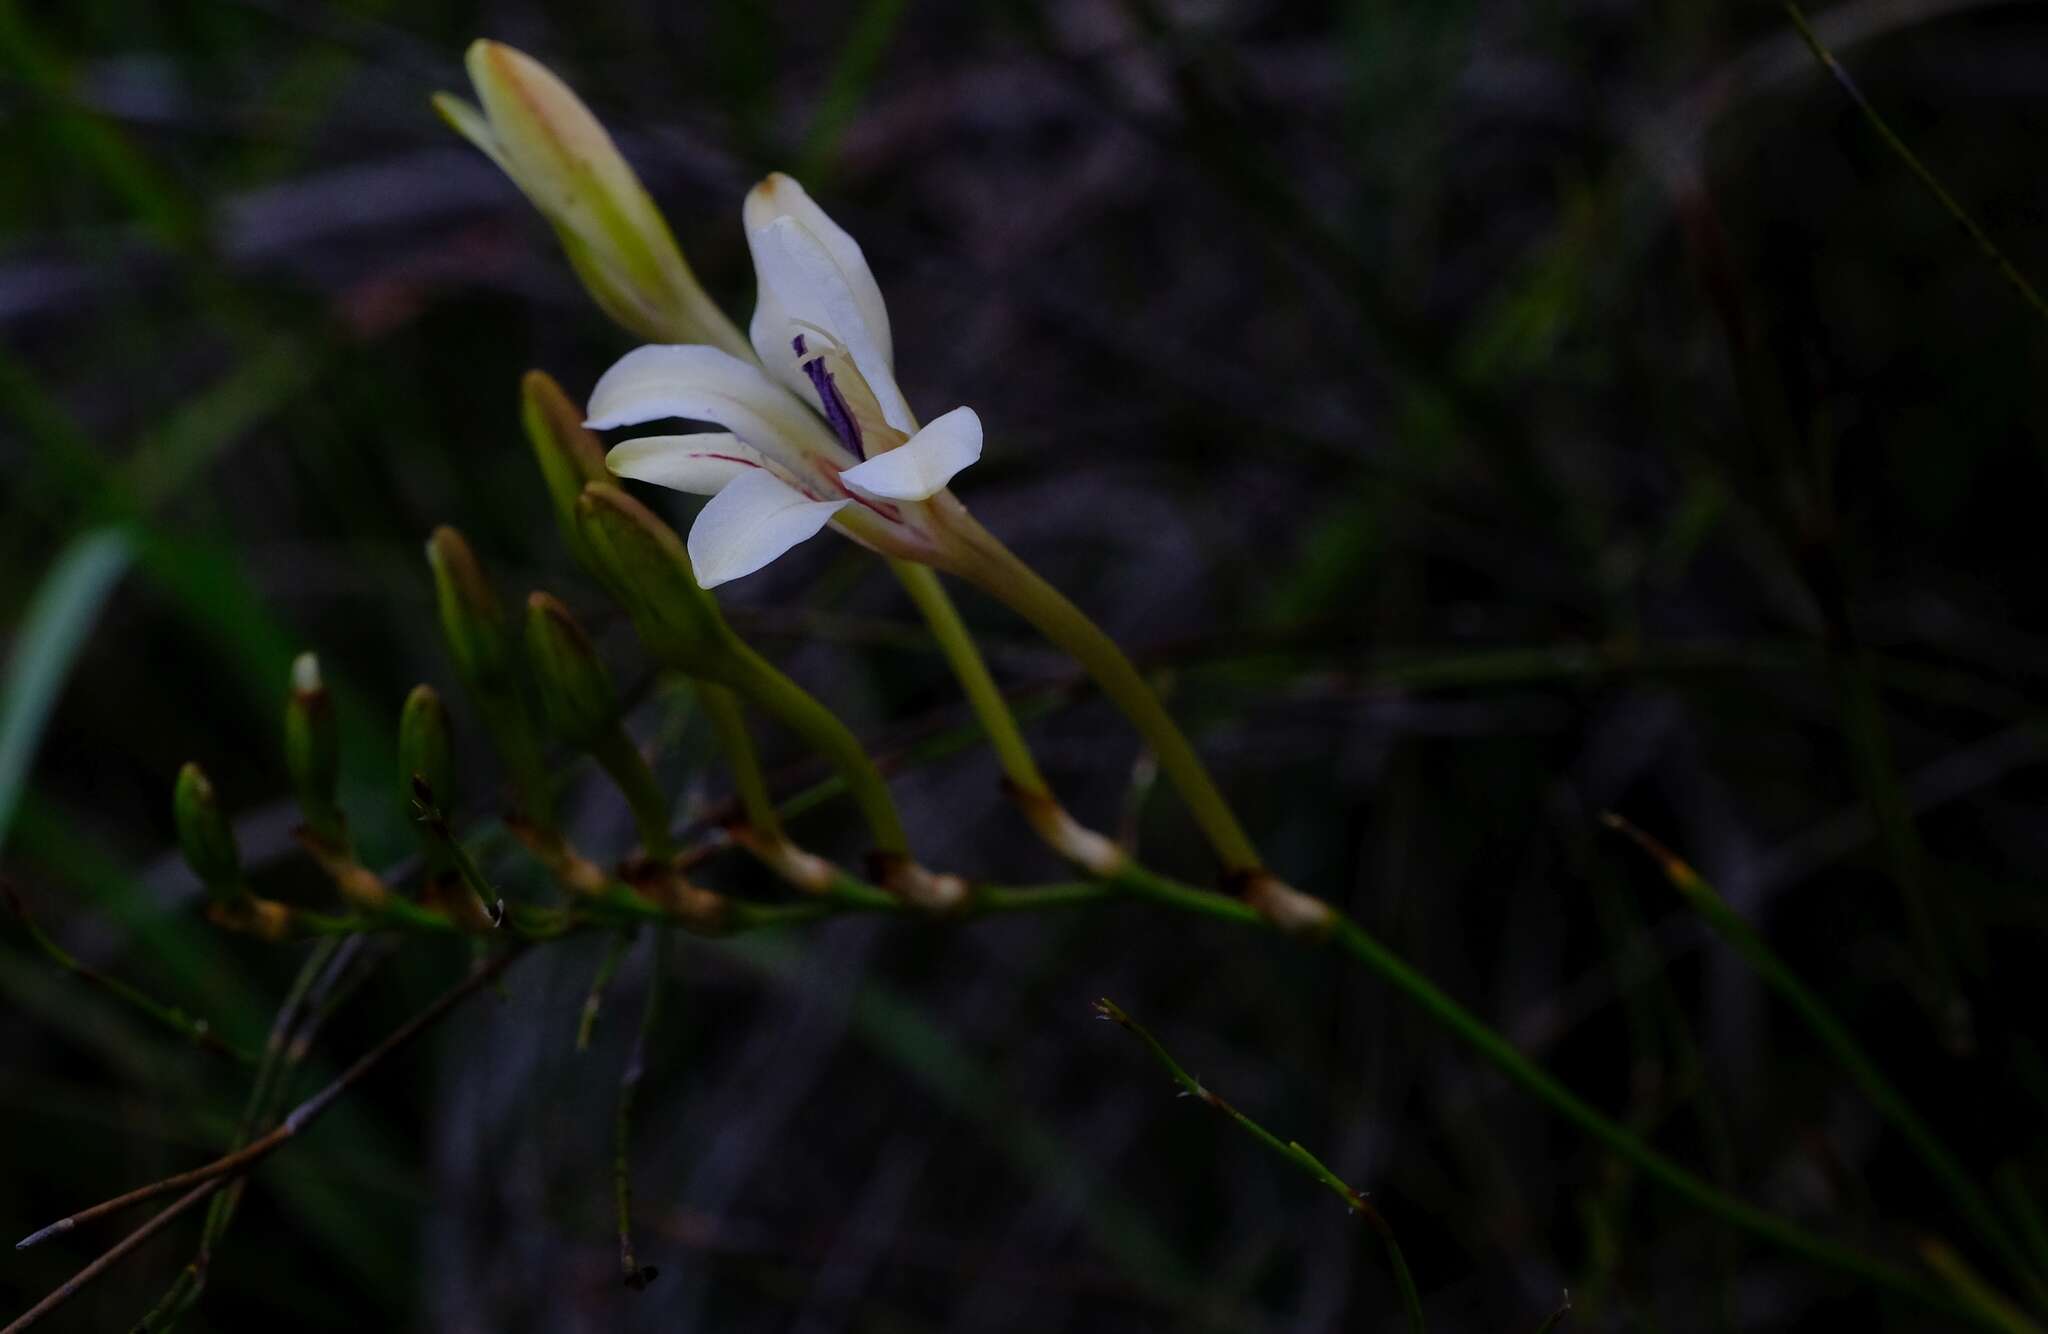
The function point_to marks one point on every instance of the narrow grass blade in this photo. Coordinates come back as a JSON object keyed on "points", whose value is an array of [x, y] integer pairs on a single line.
{"points": [[1969, 1199], [1292, 1150], [1921, 172], [62, 613]]}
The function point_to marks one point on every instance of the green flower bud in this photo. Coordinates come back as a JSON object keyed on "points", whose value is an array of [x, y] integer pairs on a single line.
{"points": [[480, 640], [575, 689], [570, 456], [203, 833], [424, 749], [312, 750], [644, 564], [471, 620]]}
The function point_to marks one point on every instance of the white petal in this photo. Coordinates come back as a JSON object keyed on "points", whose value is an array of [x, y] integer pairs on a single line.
{"points": [[920, 467], [699, 464], [705, 384], [770, 332], [780, 196], [753, 520], [468, 121], [794, 265]]}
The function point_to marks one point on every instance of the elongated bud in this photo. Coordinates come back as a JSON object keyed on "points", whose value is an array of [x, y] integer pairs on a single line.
{"points": [[575, 689], [480, 641], [569, 454], [543, 137], [203, 833], [424, 750], [312, 750], [643, 563], [472, 622]]}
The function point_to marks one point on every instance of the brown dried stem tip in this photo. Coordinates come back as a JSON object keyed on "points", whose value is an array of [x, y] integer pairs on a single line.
{"points": [[936, 892], [1282, 906], [1097, 854]]}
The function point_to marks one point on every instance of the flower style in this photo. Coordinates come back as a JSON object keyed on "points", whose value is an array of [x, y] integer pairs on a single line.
{"points": [[817, 433]]}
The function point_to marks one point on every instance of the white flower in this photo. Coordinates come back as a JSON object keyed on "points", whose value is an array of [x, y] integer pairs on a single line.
{"points": [[821, 435]]}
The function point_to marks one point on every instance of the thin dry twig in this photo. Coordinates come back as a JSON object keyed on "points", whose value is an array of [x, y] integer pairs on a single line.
{"points": [[114, 1255], [211, 1176]]}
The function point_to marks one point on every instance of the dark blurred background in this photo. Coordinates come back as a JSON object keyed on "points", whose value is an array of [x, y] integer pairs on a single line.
{"points": [[1478, 415]]}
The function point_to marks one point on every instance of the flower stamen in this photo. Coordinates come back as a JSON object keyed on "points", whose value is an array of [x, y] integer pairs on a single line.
{"points": [[837, 414]]}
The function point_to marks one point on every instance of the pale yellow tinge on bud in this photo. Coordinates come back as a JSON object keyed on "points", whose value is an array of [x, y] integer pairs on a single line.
{"points": [[539, 132]]}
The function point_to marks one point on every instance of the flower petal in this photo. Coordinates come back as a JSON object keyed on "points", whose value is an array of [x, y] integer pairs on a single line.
{"points": [[468, 121], [756, 518], [803, 278], [770, 332], [700, 464], [920, 467], [705, 384], [780, 196]]}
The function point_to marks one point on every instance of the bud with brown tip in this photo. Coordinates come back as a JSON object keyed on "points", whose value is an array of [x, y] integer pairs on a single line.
{"points": [[312, 750]]}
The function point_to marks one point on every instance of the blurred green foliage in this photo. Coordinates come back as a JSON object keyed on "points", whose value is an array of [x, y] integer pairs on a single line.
{"points": [[1480, 415]]}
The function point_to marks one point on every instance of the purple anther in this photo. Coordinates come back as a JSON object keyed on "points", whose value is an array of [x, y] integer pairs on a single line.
{"points": [[834, 403]]}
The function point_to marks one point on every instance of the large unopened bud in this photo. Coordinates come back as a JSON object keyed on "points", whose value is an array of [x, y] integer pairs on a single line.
{"points": [[544, 138], [644, 564]]}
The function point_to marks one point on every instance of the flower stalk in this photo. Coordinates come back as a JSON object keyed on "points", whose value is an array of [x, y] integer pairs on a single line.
{"points": [[583, 708], [649, 572]]}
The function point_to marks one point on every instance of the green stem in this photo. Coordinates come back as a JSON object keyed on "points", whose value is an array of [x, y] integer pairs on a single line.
{"points": [[185, 1290], [738, 744], [758, 679], [622, 760], [511, 730], [1990, 1305], [1733, 928], [622, 1120], [593, 1001], [1505, 1057], [964, 657], [2012, 1188], [1489, 1045], [1354, 1200], [998, 570], [196, 1031]]}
